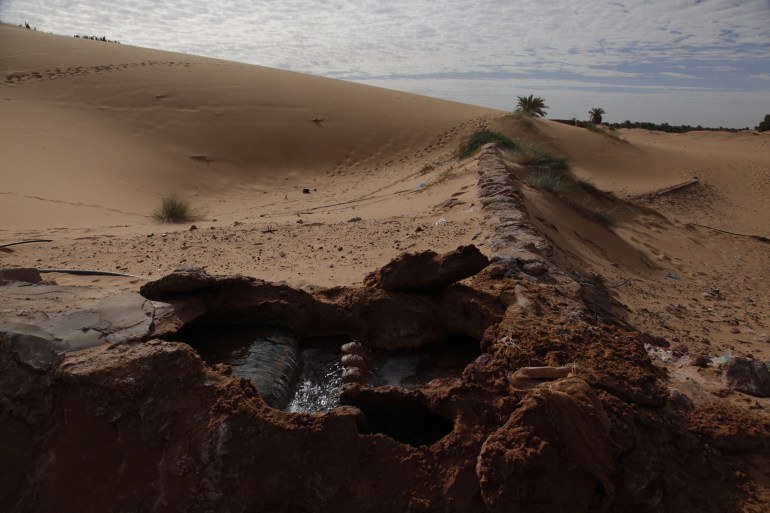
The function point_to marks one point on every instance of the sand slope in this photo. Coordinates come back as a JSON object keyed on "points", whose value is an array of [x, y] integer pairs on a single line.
{"points": [[733, 169], [94, 132]]}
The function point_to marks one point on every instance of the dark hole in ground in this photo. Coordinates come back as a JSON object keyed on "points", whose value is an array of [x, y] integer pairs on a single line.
{"points": [[413, 368], [300, 376], [400, 416]]}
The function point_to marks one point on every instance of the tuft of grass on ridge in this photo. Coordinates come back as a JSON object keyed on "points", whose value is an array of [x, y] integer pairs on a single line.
{"points": [[175, 209], [482, 137], [539, 159], [555, 182]]}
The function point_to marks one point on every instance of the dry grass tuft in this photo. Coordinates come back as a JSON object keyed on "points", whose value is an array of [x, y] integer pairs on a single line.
{"points": [[175, 209]]}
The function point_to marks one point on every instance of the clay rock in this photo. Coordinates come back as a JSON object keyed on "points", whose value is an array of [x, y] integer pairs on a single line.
{"points": [[355, 367], [354, 348], [116, 319], [355, 375], [186, 280], [31, 347], [561, 435], [353, 360], [748, 376], [26, 274], [428, 271]]}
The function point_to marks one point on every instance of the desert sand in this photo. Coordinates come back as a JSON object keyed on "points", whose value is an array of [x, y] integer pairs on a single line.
{"points": [[94, 134]]}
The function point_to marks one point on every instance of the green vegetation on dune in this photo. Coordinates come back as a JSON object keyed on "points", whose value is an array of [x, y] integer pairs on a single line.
{"points": [[534, 157], [482, 137], [548, 172]]}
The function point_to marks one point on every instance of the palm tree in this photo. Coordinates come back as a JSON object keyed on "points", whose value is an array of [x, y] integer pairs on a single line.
{"points": [[531, 106], [596, 115]]}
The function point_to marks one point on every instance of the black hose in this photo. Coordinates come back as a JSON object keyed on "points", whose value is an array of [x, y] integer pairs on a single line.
{"points": [[24, 242], [89, 272]]}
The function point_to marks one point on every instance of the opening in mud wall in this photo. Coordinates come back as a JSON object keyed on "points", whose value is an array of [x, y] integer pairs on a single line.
{"points": [[414, 368], [398, 414]]}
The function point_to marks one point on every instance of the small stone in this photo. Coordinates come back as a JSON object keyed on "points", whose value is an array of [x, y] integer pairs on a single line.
{"points": [[680, 349], [353, 375], [223, 368], [654, 340], [748, 376], [418, 229], [497, 270], [535, 268], [354, 348], [355, 219], [193, 228], [300, 221], [701, 361], [680, 400], [353, 360]]}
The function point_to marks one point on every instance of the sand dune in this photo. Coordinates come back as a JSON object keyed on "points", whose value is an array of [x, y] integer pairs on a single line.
{"points": [[96, 132], [732, 169]]}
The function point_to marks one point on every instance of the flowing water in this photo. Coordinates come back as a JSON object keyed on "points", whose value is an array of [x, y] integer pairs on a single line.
{"points": [[306, 376], [320, 383]]}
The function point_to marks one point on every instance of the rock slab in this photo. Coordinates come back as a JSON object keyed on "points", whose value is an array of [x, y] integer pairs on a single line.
{"points": [[748, 376], [428, 271]]}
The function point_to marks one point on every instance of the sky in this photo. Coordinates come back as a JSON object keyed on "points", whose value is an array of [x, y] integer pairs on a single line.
{"points": [[697, 62]]}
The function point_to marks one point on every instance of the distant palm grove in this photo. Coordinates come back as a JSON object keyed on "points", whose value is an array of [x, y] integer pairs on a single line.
{"points": [[678, 129]]}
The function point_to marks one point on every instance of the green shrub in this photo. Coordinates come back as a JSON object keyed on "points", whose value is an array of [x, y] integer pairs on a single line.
{"points": [[553, 181], [482, 137], [174, 209]]}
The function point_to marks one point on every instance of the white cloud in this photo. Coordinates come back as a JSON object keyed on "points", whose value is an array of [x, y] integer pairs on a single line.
{"points": [[679, 75], [761, 76], [415, 37]]}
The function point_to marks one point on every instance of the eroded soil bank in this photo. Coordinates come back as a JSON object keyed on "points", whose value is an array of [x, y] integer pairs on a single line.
{"points": [[558, 400]]}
